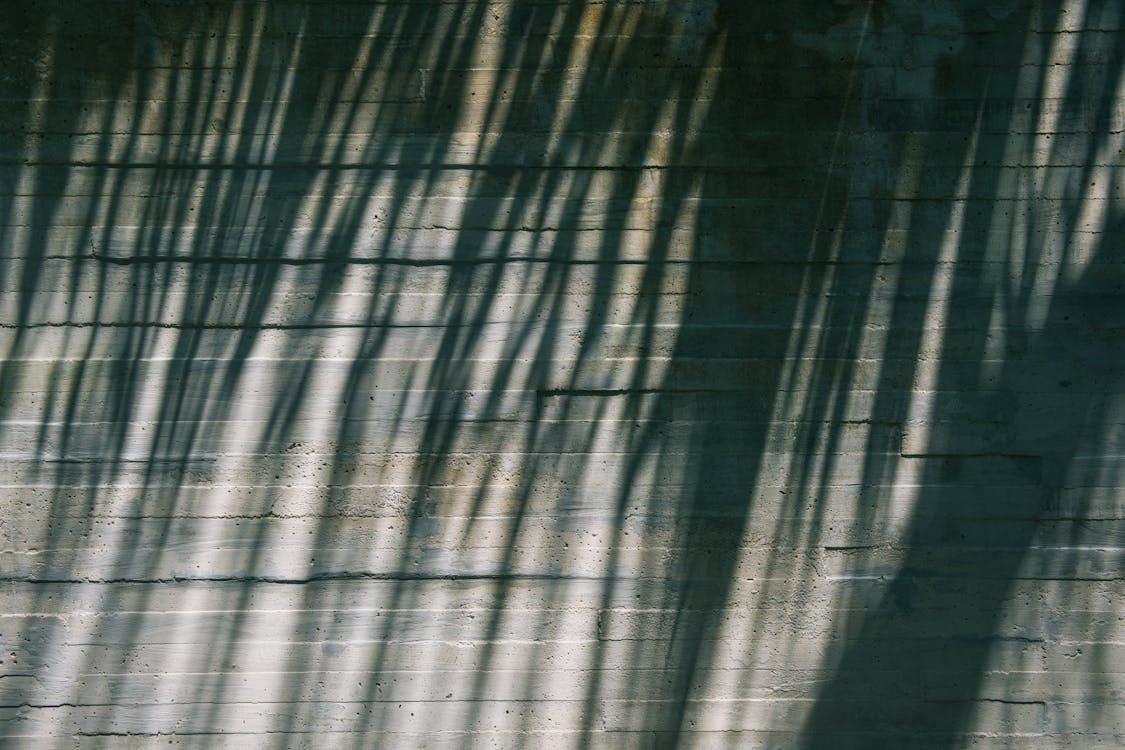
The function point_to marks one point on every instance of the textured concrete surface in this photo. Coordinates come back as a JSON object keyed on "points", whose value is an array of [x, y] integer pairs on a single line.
{"points": [[502, 373]]}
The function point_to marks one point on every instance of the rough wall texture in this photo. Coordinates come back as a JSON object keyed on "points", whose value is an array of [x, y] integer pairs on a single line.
{"points": [[488, 373]]}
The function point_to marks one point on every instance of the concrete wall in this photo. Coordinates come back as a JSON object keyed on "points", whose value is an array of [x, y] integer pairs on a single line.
{"points": [[483, 373]]}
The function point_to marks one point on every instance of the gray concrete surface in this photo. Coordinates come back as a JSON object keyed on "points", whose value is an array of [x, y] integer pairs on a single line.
{"points": [[537, 374]]}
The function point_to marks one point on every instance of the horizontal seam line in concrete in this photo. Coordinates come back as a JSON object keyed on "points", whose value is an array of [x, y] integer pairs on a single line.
{"points": [[497, 260], [355, 166], [340, 576]]}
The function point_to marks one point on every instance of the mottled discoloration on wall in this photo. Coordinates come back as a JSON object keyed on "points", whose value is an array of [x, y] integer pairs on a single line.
{"points": [[535, 374]]}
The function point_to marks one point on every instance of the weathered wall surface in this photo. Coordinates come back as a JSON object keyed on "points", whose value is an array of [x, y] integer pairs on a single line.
{"points": [[487, 373]]}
